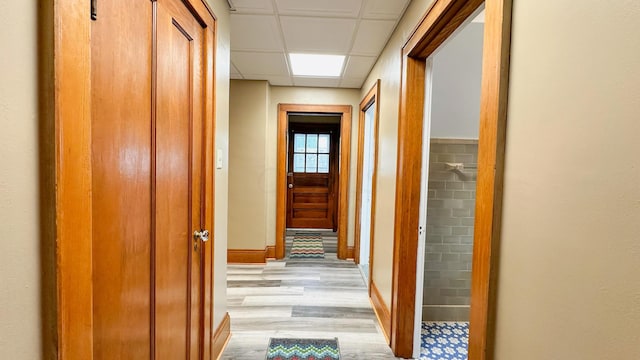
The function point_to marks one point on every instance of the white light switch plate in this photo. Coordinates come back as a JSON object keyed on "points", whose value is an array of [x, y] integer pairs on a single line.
{"points": [[218, 158]]}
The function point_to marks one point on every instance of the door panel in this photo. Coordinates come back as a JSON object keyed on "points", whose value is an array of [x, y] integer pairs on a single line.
{"points": [[311, 199], [121, 179], [179, 118]]}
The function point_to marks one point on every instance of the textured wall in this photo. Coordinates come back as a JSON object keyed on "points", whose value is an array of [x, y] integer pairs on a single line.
{"points": [[20, 314], [388, 68], [247, 164], [569, 282], [450, 216]]}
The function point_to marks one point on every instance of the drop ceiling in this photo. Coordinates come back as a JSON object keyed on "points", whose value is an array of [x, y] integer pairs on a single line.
{"points": [[264, 32]]}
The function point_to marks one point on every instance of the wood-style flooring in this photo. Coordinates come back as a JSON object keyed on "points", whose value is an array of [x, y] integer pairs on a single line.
{"points": [[302, 298]]}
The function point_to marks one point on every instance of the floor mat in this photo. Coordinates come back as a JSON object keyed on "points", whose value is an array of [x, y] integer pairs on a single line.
{"points": [[307, 246], [303, 349]]}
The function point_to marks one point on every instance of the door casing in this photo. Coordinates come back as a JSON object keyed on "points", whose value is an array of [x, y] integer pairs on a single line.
{"points": [[344, 111], [372, 98]]}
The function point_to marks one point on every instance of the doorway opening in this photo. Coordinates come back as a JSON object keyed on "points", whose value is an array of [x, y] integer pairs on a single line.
{"points": [[313, 173], [366, 181], [439, 23], [448, 188]]}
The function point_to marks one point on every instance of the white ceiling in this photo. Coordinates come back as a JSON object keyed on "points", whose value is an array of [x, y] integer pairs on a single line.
{"points": [[263, 32]]}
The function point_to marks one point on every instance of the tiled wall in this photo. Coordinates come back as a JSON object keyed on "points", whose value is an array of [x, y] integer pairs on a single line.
{"points": [[450, 216]]}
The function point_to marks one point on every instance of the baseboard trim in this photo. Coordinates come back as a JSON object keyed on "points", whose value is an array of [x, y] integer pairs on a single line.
{"points": [[381, 310], [221, 337], [244, 256], [270, 252], [350, 252]]}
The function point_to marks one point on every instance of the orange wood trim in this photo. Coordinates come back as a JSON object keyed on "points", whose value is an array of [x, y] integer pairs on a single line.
{"points": [[270, 252], [350, 252], [73, 209], [381, 309], [281, 181], [246, 256], [440, 21], [343, 190], [372, 96], [491, 147], [221, 337], [407, 206], [281, 178]]}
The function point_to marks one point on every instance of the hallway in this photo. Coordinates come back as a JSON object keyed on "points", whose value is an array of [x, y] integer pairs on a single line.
{"points": [[302, 298]]}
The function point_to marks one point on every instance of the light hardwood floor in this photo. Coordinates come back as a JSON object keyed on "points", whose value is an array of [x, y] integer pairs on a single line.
{"points": [[302, 298]]}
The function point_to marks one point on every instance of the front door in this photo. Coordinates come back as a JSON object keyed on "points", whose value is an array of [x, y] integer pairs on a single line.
{"points": [[312, 176]]}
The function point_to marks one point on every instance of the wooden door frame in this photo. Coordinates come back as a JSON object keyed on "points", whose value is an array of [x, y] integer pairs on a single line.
{"points": [[344, 111], [65, 108], [372, 98], [440, 21]]}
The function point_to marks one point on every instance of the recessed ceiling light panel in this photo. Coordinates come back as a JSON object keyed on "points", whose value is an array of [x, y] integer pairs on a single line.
{"points": [[316, 65]]}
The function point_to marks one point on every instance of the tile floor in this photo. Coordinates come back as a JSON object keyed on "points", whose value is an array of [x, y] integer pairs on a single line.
{"points": [[317, 298]]}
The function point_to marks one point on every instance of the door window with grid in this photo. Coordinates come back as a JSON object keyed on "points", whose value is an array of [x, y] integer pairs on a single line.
{"points": [[311, 153]]}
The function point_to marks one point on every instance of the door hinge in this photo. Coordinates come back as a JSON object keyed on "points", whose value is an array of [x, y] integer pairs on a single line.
{"points": [[94, 9]]}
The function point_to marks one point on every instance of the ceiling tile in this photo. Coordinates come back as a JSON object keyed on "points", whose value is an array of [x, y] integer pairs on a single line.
{"points": [[384, 9], [352, 83], [326, 8], [260, 63], [358, 66], [316, 82], [331, 36], [372, 36], [253, 6], [255, 32]]}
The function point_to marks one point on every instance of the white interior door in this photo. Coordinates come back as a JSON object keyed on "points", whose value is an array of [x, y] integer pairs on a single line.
{"points": [[367, 184], [424, 191]]}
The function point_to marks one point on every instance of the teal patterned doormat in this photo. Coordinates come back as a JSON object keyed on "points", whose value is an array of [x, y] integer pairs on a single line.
{"points": [[307, 246], [303, 349]]}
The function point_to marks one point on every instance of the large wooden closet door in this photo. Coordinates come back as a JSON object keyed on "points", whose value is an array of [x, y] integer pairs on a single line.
{"points": [[148, 137], [121, 163], [178, 186]]}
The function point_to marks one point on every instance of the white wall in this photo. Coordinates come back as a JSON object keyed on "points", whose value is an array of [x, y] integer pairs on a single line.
{"points": [[19, 204], [457, 76], [569, 283]]}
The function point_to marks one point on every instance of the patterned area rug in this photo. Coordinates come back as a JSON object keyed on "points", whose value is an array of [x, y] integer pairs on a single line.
{"points": [[303, 349], [444, 341], [307, 246]]}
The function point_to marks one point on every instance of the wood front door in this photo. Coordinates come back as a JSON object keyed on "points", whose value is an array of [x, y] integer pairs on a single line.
{"points": [[149, 119], [312, 170]]}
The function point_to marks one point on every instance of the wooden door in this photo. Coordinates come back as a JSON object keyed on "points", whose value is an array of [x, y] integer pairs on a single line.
{"points": [[178, 185], [312, 170], [121, 135], [148, 134]]}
